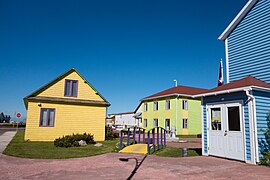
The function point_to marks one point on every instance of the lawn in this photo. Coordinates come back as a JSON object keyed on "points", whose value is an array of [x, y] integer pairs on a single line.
{"points": [[177, 152], [46, 150]]}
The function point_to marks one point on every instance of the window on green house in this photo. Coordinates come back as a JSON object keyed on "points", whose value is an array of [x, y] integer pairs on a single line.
{"points": [[155, 122], [155, 106], [168, 104], [145, 123], [184, 104], [145, 107], [167, 124], [185, 123]]}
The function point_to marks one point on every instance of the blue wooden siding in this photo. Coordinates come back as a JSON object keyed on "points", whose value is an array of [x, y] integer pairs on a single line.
{"points": [[262, 109], [223, 99], [248, 45], [205, 130]]}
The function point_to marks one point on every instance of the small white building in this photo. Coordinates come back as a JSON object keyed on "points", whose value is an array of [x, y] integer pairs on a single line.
{"points": [[125, 119]]}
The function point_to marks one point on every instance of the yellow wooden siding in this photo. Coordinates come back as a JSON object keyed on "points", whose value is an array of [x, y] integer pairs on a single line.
{"points": [[68, 119], [84, 90]]}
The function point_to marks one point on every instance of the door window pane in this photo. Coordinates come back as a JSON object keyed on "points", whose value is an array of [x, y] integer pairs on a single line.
{"points": [[234, 118], [215, 119]]}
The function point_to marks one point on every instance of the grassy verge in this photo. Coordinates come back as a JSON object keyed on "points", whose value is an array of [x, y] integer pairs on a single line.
{"points": [[177, 152], [188, 136], [46, 150]]}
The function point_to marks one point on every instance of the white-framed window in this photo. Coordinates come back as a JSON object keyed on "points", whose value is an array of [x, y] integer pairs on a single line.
{"points": [[168, 104], [145, 107], [155, 122], [185, 123], [155, 106], [184, 104], [145, 123]]}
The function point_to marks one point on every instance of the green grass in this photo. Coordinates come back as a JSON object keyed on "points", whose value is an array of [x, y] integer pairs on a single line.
{"points": [[177, 152], [187, 136], [46, 150]]}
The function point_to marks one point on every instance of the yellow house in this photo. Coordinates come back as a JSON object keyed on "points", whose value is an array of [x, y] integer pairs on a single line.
{"points": [[69, 104]]}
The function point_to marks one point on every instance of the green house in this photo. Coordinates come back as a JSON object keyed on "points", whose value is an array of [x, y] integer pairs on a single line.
{"points": [[174, 107]]}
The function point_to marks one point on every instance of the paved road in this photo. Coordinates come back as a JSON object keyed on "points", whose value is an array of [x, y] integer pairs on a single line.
{"points": [[108, 166], [3, 130]]}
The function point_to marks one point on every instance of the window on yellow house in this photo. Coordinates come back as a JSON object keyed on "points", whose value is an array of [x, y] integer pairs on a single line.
{"points": [[71, 88], [47, 116]]}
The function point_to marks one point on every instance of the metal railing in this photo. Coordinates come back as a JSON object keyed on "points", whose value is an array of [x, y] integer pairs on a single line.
{"points": [[156, 137]]}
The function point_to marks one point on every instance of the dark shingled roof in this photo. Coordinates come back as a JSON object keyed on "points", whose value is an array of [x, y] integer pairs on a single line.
{"points": [[182, 90]]}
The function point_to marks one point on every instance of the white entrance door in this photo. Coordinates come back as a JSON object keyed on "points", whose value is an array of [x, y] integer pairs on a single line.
{"points": [[226, 131]]}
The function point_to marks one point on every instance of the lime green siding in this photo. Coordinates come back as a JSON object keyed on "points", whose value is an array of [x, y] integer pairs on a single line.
{"points": [[175, 114]]}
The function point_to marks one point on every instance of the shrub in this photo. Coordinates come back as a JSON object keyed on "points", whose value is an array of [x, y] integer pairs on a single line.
{"points": [[109, 134], [265, 144], [73, 140], [265, 160]]}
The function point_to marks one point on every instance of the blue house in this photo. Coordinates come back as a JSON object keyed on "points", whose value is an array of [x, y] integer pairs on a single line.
{"points": [[235, 114]]}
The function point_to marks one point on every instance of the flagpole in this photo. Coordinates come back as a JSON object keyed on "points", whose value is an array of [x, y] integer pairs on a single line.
{"points": [[220, 76]]}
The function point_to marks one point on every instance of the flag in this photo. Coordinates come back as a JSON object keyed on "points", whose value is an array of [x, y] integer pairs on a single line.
{"points": [[220, 76]]}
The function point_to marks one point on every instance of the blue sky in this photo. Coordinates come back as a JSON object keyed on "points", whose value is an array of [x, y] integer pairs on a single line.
{"points": [[126, 49]]}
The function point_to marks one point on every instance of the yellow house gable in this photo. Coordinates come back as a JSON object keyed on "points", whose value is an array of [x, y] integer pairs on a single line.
{"points": [[84, 90], [56, 90]]}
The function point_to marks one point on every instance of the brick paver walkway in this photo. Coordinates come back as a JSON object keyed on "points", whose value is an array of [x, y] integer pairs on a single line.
{"points": [[108, 166]]}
